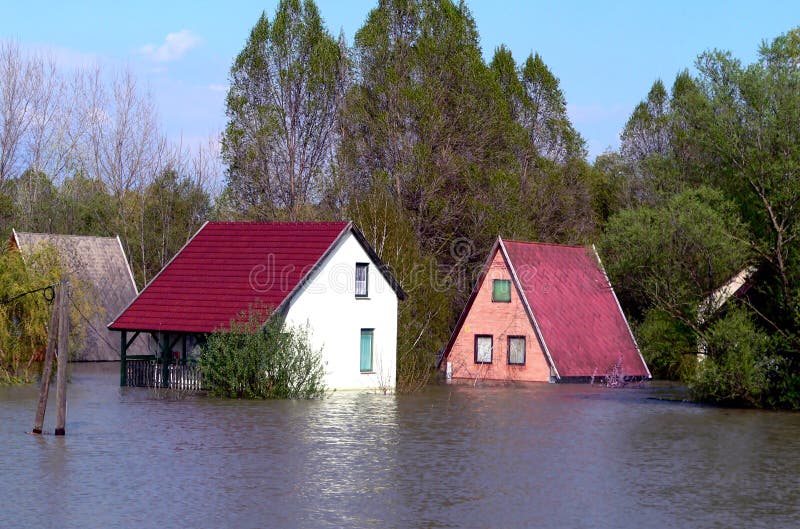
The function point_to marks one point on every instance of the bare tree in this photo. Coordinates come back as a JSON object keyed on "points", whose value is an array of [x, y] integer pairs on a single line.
{"points": [[124, 148], [16, 107]]}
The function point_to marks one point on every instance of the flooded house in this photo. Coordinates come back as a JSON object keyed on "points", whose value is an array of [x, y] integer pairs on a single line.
{"points": [[325, 276], [101, 267], [542, 312]]}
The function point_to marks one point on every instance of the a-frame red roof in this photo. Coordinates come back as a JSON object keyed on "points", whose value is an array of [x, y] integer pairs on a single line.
{"points": [[574, 306], [224, 269]]}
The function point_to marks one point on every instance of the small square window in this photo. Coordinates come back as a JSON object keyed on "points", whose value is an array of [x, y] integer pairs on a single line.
{"points": [[516, 350], [362, 280], [501, 290], [483, 349], [366, 350]]}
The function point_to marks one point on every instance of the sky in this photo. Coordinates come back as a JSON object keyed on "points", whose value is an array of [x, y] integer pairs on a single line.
{"points": [[606, 54]]}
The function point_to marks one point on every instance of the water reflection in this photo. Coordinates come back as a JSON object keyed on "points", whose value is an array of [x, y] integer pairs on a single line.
{"points": [[453, 456]]}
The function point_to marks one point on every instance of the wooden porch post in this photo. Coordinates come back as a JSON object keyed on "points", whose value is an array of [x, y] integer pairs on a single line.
{"points": [[165, 359], [123, 360]]}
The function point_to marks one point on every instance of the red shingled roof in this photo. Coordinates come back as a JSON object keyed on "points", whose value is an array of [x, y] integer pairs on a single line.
{"points": [[226, 267], [571, 300]]}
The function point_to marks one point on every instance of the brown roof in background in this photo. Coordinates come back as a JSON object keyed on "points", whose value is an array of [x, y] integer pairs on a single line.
{"points": [[100, 263]]}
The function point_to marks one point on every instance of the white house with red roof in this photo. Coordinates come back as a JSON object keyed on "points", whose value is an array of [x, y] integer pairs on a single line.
{"points": [[321, 274], [542, 312]]}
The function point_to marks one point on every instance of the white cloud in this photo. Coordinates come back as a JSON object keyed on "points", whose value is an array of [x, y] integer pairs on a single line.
{"points": [[218, 87], [174, 47]]}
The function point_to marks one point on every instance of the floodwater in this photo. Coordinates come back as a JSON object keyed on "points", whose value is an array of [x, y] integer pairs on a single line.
{"points": [[563, 456]]}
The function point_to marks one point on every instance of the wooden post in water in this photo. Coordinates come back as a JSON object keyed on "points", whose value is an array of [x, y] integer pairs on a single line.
{"points": [[63, 357], [47, 369]]}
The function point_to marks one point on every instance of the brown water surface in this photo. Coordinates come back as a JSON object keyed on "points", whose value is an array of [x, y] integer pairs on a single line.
{"points": [[563, 456]]}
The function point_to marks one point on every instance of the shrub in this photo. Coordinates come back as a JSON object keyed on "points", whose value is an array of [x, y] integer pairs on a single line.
{"points": [[736, 370], [668, 346], [255, 361]]}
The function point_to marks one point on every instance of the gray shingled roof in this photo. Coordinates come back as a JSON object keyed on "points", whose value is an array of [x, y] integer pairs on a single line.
{"points": [[100, 263]]}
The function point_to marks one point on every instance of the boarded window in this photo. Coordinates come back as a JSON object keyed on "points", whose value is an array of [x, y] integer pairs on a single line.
{"points": [[501, 290], [483, 349], [516, 350], [366, 350], [362, 286]]}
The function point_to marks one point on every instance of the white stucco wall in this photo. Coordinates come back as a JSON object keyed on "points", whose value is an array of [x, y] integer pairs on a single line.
{"points": [[335, 316]]}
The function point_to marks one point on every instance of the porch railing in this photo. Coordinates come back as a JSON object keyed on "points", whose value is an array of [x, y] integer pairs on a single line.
{"points": [[147, 372]]}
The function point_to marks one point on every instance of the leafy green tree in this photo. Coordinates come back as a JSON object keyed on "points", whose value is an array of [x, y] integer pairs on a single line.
{"points": [[427, 114], [174, 208], [749, 127], [672, 257], [286, 88], [36, 200], [85, 207]]}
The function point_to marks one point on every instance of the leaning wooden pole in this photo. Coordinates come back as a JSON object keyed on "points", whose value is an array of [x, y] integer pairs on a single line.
{"points": [[47, 369], [63, 357]]}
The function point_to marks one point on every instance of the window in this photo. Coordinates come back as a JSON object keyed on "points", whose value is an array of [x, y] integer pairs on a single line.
{"points": [[501, 290], [516, 350], [483, 349], [366, 350], [362, 280]]}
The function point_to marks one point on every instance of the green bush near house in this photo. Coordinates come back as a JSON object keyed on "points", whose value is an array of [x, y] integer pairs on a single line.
{"points": [[737, 369], [254, 361]]}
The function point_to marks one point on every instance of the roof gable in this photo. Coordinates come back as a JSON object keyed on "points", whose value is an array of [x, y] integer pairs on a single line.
{"points": [[228, 266], [100, 263], [575, 309]]}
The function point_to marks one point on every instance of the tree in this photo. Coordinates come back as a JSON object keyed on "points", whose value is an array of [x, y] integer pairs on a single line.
{"points": [[544, 114], [427, 116], [174, 209], [749, 128], [672, 257], [39, 125], [286, 86]]}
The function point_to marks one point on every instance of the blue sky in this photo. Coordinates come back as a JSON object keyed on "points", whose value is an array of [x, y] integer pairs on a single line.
{"points": [[606, 54]]}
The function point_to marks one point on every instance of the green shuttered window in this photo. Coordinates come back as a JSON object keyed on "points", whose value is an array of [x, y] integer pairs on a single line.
{"points": [[501, 290], [366, 350]]}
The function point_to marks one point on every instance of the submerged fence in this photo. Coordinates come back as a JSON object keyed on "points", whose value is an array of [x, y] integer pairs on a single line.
{"points": [[149, 373]]}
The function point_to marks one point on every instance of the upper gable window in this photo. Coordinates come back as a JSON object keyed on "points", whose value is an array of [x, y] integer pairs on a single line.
{"points": [[501, 290], [362, 280]]}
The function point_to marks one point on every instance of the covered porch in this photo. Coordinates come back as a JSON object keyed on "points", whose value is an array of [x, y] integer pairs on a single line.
{"points": [[172, 366]]}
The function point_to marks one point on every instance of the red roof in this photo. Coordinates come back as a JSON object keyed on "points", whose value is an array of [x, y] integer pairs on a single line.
{"points": [[225, 268], [578, 316]]}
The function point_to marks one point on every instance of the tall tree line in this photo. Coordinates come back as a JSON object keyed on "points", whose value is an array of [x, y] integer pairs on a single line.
{"points": [[430, 149]]}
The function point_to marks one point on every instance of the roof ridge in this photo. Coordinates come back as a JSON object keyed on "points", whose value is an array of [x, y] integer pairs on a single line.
{"points": [[277, 223], [539, 243], [65, 235]]}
